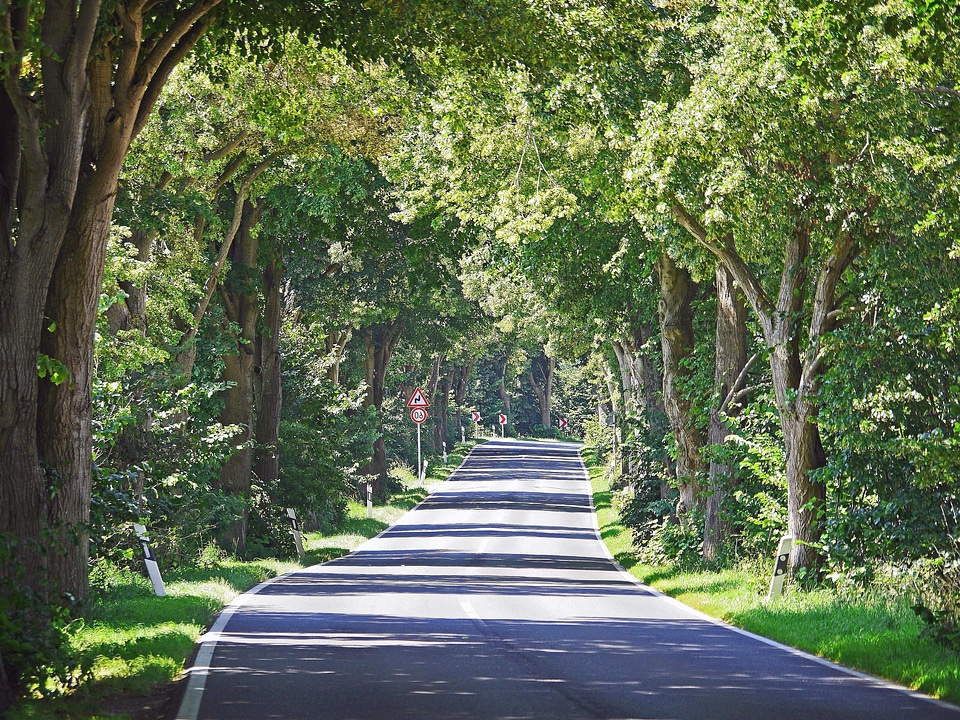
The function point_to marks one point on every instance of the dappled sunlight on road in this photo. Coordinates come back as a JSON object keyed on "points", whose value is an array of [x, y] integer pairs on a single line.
{"points": [[496, 599]]}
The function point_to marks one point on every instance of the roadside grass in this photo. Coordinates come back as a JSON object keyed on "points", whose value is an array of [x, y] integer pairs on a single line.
{"points": [[132, 646], [868, 630]]}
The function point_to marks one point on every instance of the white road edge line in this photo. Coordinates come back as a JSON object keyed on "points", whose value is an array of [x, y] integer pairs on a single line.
{"points": [[746, 633], [197, 674]]}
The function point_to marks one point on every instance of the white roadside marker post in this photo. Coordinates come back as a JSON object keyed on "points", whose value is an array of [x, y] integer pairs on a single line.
{"points": [[369, 499], [423, 472], [463, 435], [444, 452], [150, 560], [780, 568], [297, 537]]}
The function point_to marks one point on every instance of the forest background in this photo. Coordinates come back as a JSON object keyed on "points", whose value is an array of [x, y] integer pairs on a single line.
{"points": [[719, 238]]}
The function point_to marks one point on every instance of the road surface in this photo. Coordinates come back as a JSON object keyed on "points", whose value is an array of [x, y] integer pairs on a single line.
{"points": [[495, 598]]}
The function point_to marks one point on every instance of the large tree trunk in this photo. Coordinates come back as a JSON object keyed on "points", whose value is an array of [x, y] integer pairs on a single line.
{"points": [[677, 291], [442, 409], [461, 385], [61, 157], [505, 396], [267, 376], [241, 308], [65, 418], [41, 150], [730, 361], [430, 392], [796, 378], [642, 397], [380, 340], [543, 386], [630, 386]]}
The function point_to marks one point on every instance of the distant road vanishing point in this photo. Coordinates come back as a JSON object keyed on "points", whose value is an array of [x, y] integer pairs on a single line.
{"points": [[496, 599]]}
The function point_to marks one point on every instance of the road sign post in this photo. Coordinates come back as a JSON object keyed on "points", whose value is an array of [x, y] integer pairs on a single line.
{"points": [[418, 414], [370, 498]]}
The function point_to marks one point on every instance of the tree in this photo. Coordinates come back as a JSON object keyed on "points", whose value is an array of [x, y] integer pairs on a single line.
{"points": [[794, 172], [73, 114]]}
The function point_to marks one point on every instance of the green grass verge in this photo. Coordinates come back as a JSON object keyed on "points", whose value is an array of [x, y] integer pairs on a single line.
{"points": [[870, 631], [135, 645]]}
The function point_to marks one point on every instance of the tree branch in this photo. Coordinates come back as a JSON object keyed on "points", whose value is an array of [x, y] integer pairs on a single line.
{"points": [[211, 284], [752, 289], [735, 399], [227, 148], [936, 90], [157, 81], [733, 393], [228, 172], [166, 44]]}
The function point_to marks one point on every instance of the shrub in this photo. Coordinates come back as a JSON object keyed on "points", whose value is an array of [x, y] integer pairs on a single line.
{"points": [[35, 656]]}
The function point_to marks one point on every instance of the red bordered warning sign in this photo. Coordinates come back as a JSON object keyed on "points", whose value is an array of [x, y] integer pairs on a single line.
{"points": [[418, 415], [417, 400]]}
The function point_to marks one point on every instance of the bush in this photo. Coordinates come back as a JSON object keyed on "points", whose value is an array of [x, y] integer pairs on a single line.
{"points": [[34, 649]]}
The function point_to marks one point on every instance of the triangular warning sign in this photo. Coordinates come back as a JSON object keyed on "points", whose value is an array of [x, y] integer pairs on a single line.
{"points": [[417, 400]]}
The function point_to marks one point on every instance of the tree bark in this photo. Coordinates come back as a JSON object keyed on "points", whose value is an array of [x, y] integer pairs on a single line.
{"points": [[380, 340], [430, 391], [188, 352], [336, 344], [62, 155], [629, 386], [240, 301], [42, 146], [796, 377], [442, 410], [505, 396], [543, 386], [730, 360], [461, 385], [677, 292], [267, 376]]}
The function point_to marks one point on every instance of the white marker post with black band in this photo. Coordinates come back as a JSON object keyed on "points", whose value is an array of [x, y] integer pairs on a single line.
{"points": [[780, 568], [150, 560], [295, 527], [369, 499]]}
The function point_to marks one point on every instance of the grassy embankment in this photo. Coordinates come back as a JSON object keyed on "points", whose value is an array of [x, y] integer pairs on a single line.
{"points": [[136, 644], [868, 631]]}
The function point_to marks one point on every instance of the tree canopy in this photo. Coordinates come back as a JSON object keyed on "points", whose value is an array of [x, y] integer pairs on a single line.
{"points": [[718, 237]]}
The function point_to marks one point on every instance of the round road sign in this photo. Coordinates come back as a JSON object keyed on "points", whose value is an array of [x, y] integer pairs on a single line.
{"points": [[418, 415]]}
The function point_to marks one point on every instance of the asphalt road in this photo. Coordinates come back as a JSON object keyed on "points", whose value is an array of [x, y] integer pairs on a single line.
{"points": [[496, 599]]}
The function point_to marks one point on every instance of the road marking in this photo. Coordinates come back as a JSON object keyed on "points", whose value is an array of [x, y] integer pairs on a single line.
{"points": [[197, 674]]}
